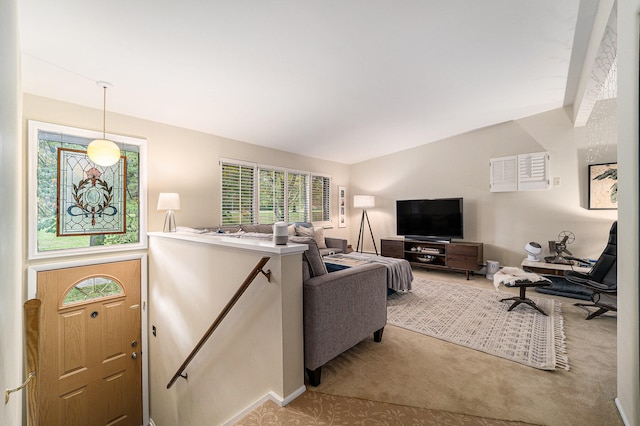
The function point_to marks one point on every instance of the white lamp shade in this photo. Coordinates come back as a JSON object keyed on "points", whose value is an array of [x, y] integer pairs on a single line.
{"points": [[103, 152], [169, 201], [364, 201]]}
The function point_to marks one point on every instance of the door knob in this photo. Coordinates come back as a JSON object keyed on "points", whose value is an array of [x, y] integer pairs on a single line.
{"points": [[134, 355], [134, 343]]}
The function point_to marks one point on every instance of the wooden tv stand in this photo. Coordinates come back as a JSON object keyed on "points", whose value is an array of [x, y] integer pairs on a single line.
{"points": [[455, 256]]}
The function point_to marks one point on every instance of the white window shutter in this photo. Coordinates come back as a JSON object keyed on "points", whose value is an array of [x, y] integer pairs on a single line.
{"points": [[504, 174], [533, 171]]}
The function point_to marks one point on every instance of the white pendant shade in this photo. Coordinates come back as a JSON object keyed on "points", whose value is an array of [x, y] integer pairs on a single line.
{"points": [[103, 152]]}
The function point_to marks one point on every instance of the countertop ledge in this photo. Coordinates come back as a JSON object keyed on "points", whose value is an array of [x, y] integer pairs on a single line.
{"points": [[264, 246]]}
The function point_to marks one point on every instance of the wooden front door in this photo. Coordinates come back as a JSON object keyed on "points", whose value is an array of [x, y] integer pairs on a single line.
{"points": [[90, 369]]}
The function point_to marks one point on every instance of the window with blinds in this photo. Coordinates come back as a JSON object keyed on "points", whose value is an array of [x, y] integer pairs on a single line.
{"points": [[275, 194], [271, 194], [524, 172], [504, 174], [533, 171], [320, 198], [297, 200], [237, 194]]}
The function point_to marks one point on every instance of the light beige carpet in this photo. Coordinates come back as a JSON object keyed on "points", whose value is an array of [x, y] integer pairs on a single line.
{"points": [[408, 368], [314, 408], [411, 370]]}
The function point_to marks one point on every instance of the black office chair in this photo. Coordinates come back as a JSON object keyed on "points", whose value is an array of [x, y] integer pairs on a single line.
{"points": [[602, 279]]}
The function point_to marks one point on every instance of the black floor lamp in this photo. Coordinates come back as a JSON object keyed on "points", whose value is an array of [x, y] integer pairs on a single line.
{"points": [[363, 202]]}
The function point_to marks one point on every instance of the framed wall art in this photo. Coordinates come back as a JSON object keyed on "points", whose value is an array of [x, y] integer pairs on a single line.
{"points": [[342, 207], [603, 186]]}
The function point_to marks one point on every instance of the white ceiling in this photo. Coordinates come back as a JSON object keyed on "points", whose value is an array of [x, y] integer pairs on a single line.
{"points": [[343, 80]]}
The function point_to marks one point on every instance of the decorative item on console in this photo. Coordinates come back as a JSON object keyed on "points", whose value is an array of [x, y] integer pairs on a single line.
{"points": [[533, 250], [280, 233], [560, 248]]}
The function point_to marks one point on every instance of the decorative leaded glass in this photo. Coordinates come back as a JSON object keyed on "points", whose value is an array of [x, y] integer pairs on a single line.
{"points": [[96, 287], [91, 198]]}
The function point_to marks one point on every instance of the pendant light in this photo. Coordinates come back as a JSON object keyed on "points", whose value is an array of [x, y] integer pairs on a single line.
{"points": [[103, 151]]}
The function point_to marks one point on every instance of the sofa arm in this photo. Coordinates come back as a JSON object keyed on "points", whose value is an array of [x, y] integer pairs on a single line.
{"points": [[341, 309], [336, 243]]}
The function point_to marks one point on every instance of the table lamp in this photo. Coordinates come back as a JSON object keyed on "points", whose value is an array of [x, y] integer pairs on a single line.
{"points": [[169, 201]]}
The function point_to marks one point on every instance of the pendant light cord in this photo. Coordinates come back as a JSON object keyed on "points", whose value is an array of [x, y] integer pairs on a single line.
{"points": [[104, 113]]}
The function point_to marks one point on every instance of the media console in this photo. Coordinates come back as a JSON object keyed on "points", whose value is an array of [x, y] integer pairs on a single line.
{"points": [[455, 256]]}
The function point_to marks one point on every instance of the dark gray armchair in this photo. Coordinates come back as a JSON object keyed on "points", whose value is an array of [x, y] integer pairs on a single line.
{"points": [[340, 309], [602, 279]]}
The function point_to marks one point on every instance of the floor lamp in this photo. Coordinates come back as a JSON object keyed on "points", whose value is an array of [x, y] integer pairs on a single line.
{"points": [[363, 202]]}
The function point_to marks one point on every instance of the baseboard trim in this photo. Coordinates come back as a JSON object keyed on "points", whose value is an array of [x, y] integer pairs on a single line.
{"points": [[271, 396], [621, 412]]}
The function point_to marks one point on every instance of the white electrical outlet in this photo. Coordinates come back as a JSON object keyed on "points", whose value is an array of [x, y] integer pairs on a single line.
{"points": [[556, 181]]}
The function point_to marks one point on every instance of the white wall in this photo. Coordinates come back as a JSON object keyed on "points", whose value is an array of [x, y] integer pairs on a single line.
{"points": [[11, 185], [504, 222], [256, 351], [628, 252]]}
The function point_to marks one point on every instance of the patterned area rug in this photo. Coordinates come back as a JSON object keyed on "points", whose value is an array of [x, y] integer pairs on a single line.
{"points": [[475, 318]]}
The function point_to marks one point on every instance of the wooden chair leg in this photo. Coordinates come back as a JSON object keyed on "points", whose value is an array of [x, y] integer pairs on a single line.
{"points": [[314, 376], [377, 335]]}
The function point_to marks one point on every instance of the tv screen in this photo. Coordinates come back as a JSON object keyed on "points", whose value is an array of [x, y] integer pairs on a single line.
{"points": [[430, 219]]}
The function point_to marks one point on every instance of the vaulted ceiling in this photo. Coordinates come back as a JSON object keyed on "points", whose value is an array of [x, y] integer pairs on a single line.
{"points": [[343, 80]]}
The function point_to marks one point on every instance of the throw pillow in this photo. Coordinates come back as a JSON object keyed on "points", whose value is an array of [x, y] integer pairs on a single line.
{"points": [[319, 236], [305, 232], [291, 229], [312, 255]]}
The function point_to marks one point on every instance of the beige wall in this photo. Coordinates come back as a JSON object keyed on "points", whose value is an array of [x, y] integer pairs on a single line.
{"points": [[184, 161], [504, 222], [11, 225], [629, 296]]}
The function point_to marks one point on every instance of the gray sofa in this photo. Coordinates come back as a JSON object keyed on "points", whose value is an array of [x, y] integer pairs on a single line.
{"points": [[340, 309], [332, 245]]}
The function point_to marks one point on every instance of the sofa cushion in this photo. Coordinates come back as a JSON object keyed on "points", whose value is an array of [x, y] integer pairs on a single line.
{"points": [[314, 260], [317, 233], [261, 228]]}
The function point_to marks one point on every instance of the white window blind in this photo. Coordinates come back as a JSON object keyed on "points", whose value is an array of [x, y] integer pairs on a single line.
{"points": [[271, 196], [504, 174], [320, 199], [524, 172], [253, 193], [533, 171], [297, 201], [237, 194]]}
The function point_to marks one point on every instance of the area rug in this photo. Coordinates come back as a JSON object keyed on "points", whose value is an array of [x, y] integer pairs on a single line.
{"points": [[475, 318]]}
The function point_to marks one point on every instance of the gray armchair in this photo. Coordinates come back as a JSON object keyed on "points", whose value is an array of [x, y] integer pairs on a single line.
{"points": [[340, 309]]}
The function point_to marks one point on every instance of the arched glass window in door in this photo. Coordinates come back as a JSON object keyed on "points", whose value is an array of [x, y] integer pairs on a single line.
{"points": [[96, 287]]}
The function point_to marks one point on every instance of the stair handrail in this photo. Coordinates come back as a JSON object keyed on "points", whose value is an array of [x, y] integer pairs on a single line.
{"points": [[32, 338], [247, 282]]}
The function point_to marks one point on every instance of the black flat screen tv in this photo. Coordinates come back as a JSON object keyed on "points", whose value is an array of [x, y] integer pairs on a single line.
{"points": [[438, 219]]}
